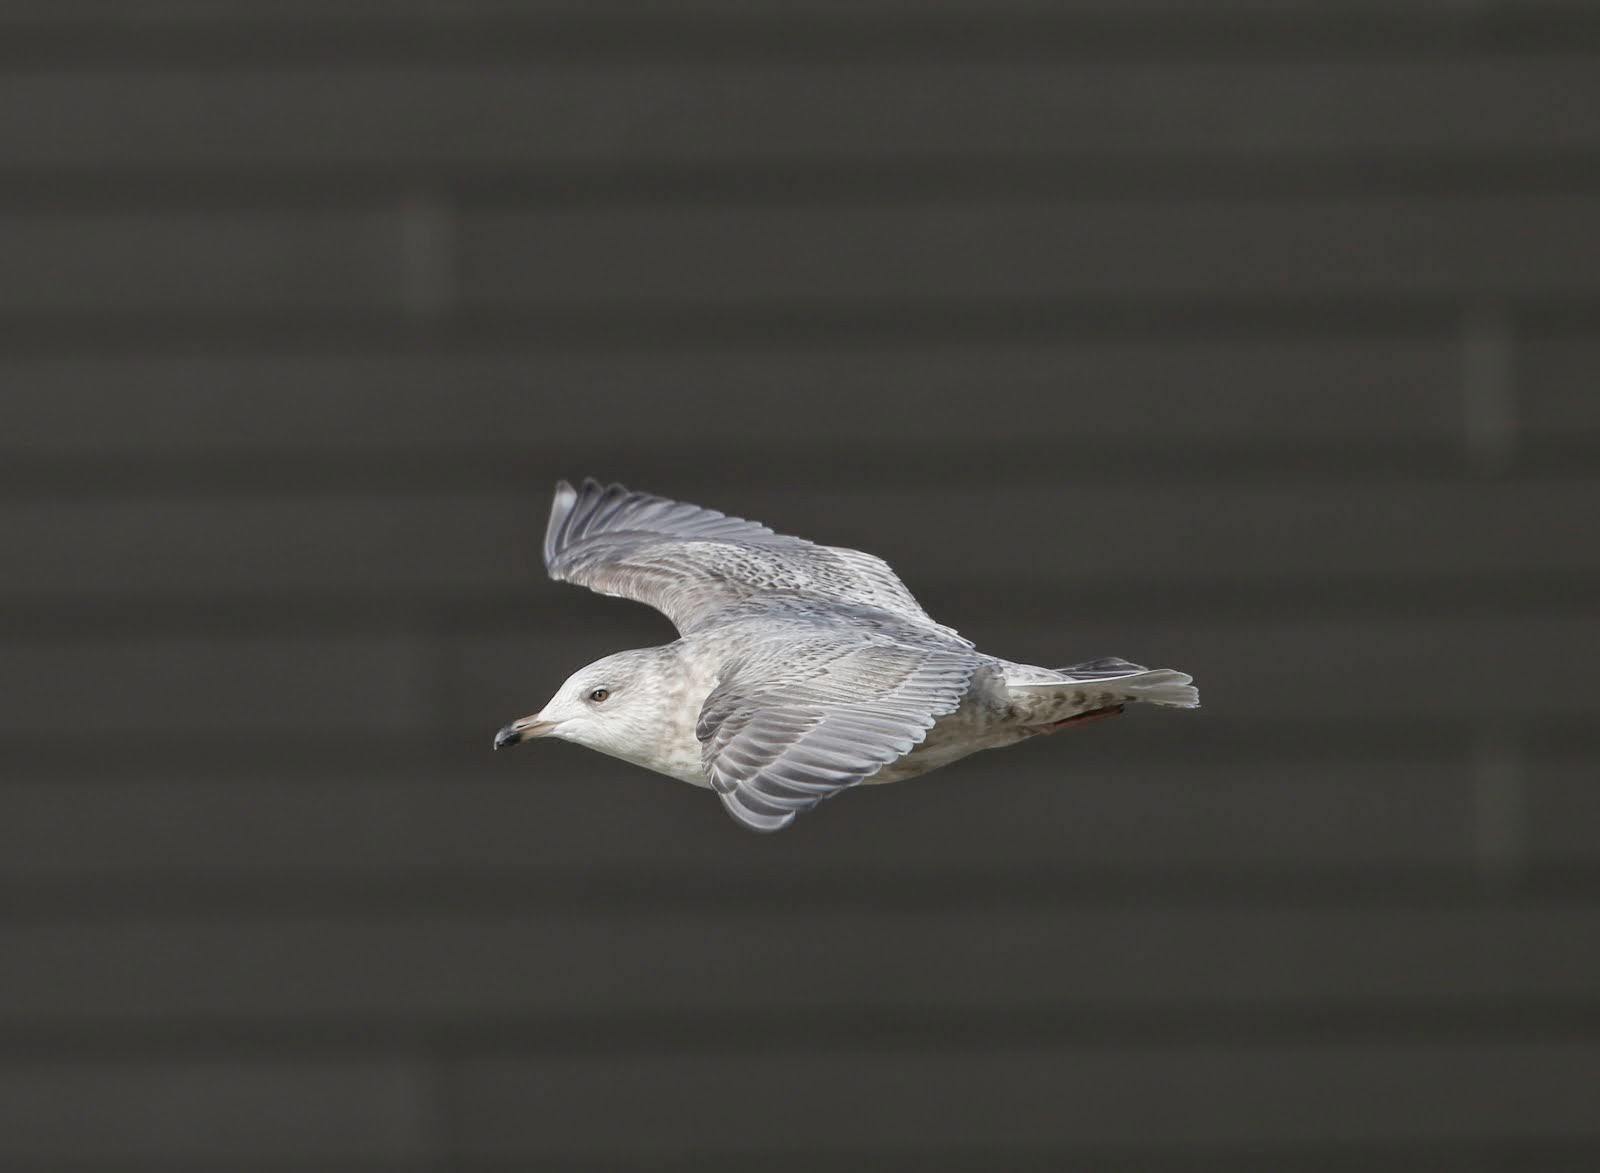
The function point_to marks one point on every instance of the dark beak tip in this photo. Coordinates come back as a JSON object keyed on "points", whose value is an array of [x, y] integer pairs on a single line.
{"points": [[506, 736]]}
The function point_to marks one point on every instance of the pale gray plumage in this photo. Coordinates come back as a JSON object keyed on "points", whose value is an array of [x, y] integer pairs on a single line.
{"points": [[800, 718], [691, 563], [803, 669]]}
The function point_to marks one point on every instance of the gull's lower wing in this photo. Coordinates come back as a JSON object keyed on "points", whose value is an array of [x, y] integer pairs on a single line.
{"points": [[797, 721]]}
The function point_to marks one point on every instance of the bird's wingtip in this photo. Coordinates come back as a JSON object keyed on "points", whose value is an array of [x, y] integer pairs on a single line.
{"points": [[560, 509]]}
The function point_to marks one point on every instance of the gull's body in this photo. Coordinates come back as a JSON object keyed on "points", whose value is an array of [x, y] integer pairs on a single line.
{"points": [[802, 670]]}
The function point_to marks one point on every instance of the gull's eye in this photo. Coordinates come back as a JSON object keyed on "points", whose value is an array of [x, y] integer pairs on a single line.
{"points": [[599, 695]]}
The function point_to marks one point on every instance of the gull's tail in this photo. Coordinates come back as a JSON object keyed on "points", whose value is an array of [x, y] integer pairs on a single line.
{"points": [[1101, 685], [1156, 686]]}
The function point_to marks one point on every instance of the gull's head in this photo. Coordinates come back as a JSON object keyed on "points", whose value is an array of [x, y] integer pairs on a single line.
{"points": [[612, 706]]}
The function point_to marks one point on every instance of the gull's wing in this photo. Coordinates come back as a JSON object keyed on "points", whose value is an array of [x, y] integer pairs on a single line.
{"points": [[689, 563], [798, 720]]}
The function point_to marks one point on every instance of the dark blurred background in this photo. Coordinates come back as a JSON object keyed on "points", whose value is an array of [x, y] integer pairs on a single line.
{"points": [[1259, 340]]}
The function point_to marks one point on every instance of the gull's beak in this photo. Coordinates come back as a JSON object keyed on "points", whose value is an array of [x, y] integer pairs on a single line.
{"points": [[523, 730]]}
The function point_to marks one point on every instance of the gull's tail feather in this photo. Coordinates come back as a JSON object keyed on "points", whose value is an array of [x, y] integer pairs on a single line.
{"points": [[1105, 668], [1158, 686], [1107, 683]]}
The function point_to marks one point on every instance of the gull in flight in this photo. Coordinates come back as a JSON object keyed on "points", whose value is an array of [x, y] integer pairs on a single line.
{"points": [[801, 671]]}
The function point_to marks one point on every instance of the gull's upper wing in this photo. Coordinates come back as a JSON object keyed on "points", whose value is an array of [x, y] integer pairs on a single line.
{"points": [[798, 720], [690, 563]]}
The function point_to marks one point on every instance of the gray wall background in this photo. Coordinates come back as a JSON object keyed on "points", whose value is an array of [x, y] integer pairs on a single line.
{"points": [[1255, 339]]}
